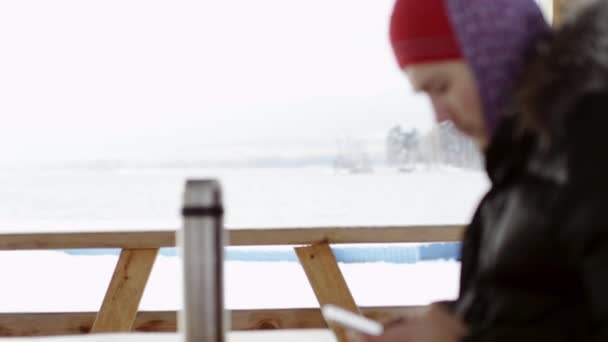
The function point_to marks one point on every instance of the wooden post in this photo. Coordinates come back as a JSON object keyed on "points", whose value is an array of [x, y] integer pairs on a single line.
{"points": [[560, 8], [120, 305], [327, 281]]}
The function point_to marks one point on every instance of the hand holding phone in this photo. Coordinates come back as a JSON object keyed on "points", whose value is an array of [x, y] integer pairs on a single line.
{"points": [[352, 321]]}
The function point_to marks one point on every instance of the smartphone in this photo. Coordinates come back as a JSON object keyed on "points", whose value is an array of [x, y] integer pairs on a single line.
{"points": [[352, 321]]}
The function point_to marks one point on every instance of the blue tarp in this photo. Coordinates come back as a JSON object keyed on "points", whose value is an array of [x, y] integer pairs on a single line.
{"points": [[388, 253]]}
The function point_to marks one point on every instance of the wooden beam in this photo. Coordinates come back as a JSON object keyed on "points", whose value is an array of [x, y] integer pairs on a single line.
{"points": [[78, 240], [120, 305], [327, 281], [237, 237], [345, 235], [73, 323]]}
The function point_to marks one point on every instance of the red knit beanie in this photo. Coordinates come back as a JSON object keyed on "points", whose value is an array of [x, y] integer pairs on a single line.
{"points": [[421, 31]]}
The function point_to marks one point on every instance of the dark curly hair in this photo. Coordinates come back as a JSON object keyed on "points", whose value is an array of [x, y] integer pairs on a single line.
{"points": [[569, 65]]}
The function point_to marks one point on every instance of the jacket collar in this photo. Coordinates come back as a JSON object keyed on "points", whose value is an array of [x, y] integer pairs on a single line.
{"points": [[508, 152]]}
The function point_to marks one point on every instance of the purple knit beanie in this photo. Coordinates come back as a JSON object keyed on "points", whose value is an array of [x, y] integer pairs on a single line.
{"points": [[497, 38]]}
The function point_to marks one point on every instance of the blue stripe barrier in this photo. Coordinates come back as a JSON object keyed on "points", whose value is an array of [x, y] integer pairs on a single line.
{"points": [[349, 255]]}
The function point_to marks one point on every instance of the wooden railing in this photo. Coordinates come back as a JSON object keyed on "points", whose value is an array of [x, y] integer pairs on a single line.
{"points": [[119, 310], [71, 323], [236, 237]]}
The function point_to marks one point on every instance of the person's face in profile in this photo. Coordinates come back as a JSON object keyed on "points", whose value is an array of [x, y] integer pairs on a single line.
{"points": [[454, 95]]}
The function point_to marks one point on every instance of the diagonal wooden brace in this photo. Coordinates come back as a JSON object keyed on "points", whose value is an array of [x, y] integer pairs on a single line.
{"points": [[121, 302], [327, 281]]}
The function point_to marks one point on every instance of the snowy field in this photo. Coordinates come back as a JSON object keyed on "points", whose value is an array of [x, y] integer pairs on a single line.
{"points": [[44, 281], [150, 199]]}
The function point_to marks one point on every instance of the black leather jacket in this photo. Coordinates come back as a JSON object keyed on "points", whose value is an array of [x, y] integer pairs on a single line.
{"points": [[535, 257]]}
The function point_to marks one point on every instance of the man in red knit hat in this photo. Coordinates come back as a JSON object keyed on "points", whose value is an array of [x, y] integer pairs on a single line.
{"points": [[534, 257], [433, 41]]}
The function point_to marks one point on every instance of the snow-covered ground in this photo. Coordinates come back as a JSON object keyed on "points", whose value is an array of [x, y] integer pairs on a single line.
{"points": [[150, 199], [46, 281]]}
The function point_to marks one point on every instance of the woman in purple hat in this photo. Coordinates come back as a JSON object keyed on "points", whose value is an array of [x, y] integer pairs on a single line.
{"points": [[535, 257]]}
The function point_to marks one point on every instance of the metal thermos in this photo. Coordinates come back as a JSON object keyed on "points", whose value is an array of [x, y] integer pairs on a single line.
{"points": [[201, 243]]}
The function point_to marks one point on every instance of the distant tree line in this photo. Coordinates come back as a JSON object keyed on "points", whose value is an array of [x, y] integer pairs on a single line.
{"points": [[444, 145]]}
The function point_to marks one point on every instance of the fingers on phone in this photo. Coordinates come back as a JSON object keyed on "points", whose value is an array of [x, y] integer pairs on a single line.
{"points": [[357, 337], [394, 322]]}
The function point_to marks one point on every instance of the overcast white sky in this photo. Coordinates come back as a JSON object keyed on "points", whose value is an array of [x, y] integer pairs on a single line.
{"points": [[169, 79]]}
